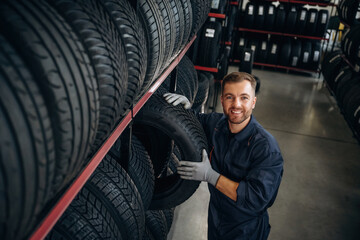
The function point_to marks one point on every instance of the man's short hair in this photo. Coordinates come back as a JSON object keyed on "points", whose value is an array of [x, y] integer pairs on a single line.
{"points": [[238, 77]]}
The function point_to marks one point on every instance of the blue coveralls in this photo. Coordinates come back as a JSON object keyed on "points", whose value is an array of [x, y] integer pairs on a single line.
{"points": [[252, 158]]}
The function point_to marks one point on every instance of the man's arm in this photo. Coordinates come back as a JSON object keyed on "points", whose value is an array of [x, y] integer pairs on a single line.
{"points": [[227, 187]]}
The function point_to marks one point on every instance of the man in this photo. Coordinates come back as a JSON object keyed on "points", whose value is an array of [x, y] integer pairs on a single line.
{"points": [[246, 164]]}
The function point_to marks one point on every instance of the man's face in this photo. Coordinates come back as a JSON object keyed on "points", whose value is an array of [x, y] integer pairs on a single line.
{"points": [[238, 100]]}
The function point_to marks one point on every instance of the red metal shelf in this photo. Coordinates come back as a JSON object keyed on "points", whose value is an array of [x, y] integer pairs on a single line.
{"points": [[280, 33], [207, 69], [217, 15], [59, 208], [305, 2], [234, 3]]}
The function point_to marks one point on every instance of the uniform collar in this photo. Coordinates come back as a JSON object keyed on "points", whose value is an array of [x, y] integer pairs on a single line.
{"points": [[244, 134]]}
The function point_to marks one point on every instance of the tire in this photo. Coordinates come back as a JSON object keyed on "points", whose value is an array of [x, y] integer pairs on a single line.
{"points": [[306, 51], [342, 79], [291, 17], [117, 192], [133, 36], [344, 86], [295, 54], [188, 17], [156, 224], [107, 55], [253, 45], [322, 23], [280, 18], [87, 217], [218, 7], [351, 104], [184, 129], [240, 44], [247, 60], [59, 63], [202, 94], [169, 216], [210, 44], [138, 166], [249, 15], [301, 20], [311, 23], [285, 51], [262, 51], [224, 61], [273, 52], [27, 156], [179, 25], [270, 17], [330, 67], [229, 32], [259, 16], [200, 11], [150, 16], [315, 55]]}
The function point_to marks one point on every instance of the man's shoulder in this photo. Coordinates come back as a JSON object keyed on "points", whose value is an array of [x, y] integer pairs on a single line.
{"points": [[265, 137]]}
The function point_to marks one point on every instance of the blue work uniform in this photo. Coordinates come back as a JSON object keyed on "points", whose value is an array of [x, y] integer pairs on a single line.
{"points": [[252, 158]]}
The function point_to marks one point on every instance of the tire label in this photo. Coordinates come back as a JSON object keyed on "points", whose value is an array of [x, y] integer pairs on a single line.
{"points": [[306, 57], [357, 110], [242, 42], [312, 17], [251, 10], [210, 33], [302, 15], [263, 45], [293, 9], [294, 61], [271, 10], [357, 15], [316, 56], [247, 57], [253, 47], [273, 49], [215, 4], [323, 18], [261, 10]]}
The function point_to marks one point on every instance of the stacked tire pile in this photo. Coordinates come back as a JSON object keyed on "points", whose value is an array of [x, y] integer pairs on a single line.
{"points": [[70, 70], [341, 72], [348, 11]]}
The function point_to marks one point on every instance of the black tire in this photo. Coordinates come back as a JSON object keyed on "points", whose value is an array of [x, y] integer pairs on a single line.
{"points": [[291, 17], [263, 51], [59, 63], [107, 55], [301, 20], [306, 50], [169, 216], [343, 87], [229, 32], [315, 55], [156, 224], [87, 217], [138, 166], [178, 13], [246, 61], [133, 36], [249, 15], [188, 74], [27, 156], [311, 23], [200, 10], [184, 129], [253, 44], [218, 7], [224, 63], [342, 80], [170, 30], [150, 16], [330, 67], [240, 44], [280, 18], [210, 44], [285, 51], [351, 104], [188, 17], [270, 17], [273, 52], [323, 22], [259, 16], [115, 190], [295, 54]]}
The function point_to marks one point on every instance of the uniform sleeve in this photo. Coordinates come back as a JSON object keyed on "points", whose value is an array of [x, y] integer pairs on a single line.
{"points": [[258, 189]]}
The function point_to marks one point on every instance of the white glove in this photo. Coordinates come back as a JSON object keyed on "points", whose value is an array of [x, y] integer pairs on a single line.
{"points": [[199, 171], [175, 99]]}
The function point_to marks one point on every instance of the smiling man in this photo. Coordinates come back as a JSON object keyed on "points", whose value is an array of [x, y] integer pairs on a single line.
{"points": [[244, 167]]}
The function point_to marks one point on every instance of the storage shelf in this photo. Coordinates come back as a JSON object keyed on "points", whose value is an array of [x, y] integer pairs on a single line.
{"points": [[59, 208], [305, 2], [217, 15], [281, 34]]}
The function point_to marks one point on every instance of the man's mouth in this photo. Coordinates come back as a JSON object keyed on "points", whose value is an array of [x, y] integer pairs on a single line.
{"points": [[236, 111]]}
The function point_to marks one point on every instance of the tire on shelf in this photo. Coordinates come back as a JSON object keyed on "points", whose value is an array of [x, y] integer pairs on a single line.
{"points": [[342, 80], [301, 20], [178, 13], [280, 18], [61, 67], [306, 50], [315, 55], [169, 216], [273, 52], [27, 155], [270, 17], [262, 51], [210, 44], [249, 15], [344, 87], [229, 31], [240, 44], [326, 68], [246, 61], [200, 11], [291, 17], [285, 51], [322, 23], [259, 16], [218, 7], [104, 45], [150, 16], [311, 23], [295, 54], [352, 104], [87, 217], [118, 193], [185, 131], [156, 224], [138, 166], [188, 17], [224, 63]]}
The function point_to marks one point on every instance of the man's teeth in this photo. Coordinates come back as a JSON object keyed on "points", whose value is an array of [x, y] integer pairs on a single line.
{"points": [[235, 111]]}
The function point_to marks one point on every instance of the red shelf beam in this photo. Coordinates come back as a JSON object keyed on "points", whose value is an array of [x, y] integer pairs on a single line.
{"points": [[281, 34], [285, 67], [217, 15], [207, 69], [304, 2], [50, 220]]}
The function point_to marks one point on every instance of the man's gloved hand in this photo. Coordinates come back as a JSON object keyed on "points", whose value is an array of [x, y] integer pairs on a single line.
{"points": [[199, 171], [175, 99]]}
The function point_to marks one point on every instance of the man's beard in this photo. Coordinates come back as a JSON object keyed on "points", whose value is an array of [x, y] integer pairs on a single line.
{"points": [[239, 121]]}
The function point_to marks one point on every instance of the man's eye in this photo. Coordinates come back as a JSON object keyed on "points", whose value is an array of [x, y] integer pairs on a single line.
{"points": [[229, 97], [244, 98]]}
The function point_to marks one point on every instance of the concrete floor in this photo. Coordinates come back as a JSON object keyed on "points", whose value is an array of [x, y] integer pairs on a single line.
{"points": [[319, 197]]}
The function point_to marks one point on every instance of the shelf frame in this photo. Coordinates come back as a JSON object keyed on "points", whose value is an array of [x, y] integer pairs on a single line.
{"points": [[59, 208]]}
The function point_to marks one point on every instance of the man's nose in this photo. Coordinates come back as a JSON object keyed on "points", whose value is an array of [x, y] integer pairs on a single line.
{"points": [[237, 102]]}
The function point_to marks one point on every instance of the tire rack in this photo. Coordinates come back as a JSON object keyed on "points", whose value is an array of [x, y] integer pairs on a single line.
{"points": [[64, 201]]}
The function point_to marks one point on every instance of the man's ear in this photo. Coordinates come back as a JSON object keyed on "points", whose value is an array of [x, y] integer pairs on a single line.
{"points": [[254, 103]]}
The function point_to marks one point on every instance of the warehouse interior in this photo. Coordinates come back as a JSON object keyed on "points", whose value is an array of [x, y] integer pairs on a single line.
{"points": [[319, 195], [102, 100]]}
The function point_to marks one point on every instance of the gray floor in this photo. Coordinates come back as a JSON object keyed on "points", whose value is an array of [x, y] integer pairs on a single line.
{"points": [[319, 197]]}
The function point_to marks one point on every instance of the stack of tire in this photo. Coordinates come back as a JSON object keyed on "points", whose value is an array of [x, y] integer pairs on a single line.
{"points": [[283, 51], [70, 70], [349, 11], [285, 18], [340, 69]]}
